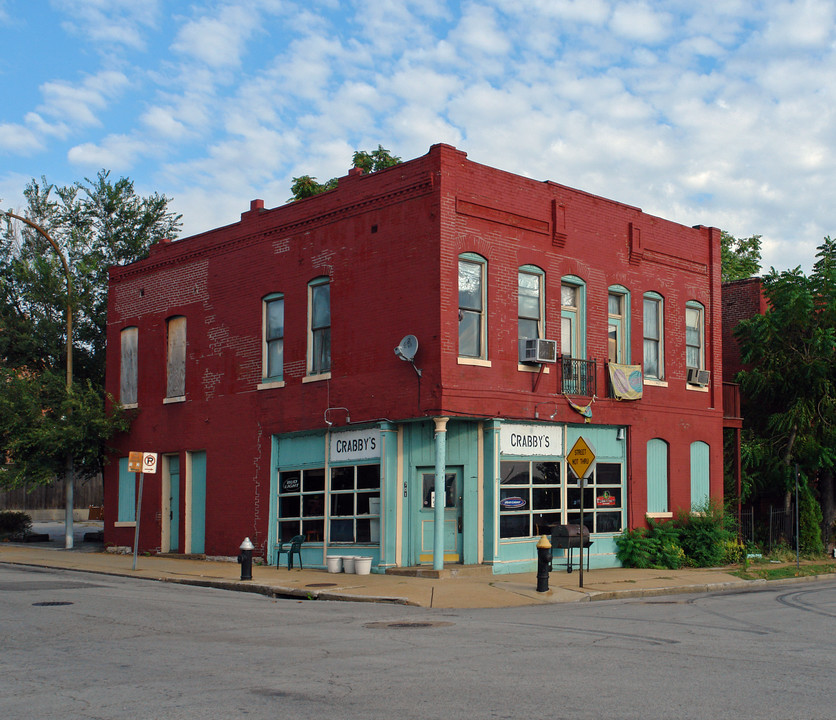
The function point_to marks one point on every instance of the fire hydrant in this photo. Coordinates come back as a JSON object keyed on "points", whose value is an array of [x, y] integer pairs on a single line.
{"points": [[544, 563], [246, 559]]}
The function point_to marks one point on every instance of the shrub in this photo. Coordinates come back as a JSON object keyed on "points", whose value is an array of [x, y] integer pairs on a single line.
{"points": [[655, 547], [14, 523], [703, 534]]}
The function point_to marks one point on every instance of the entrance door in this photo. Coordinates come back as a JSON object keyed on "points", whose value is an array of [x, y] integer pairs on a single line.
{"points": [[171, 503], [425, 527], [196, 501]]}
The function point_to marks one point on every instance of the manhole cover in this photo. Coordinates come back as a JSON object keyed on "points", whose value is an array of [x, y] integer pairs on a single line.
{"points": [[322, 585], [51, 603], [407, 625]]}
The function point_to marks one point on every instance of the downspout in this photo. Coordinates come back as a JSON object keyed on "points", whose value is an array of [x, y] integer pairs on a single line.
{"points": [[440, 494]]}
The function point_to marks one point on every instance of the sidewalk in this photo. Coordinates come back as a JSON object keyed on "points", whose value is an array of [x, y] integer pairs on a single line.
{"points": [[480, 590]]}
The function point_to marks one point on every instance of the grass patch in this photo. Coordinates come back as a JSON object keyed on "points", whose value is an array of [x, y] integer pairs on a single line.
{"points": [[784, 571]]}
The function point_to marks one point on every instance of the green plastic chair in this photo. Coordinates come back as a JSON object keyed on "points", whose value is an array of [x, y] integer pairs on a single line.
{"points": [[295, 548]]}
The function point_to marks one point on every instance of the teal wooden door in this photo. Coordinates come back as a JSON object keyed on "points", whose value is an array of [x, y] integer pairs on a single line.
{"points": [[174, 503], [424, 527], [198, 502]]}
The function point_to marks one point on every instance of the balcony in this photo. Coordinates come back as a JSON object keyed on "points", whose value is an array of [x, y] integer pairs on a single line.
{"points": [[577, 377]]}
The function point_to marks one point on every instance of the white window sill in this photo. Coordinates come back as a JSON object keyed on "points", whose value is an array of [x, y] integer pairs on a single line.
{"points": [[129, 406], [268, 384], [696, 388], [316, 378], [171, 400], [532, 369], [477, 362], [123, 523], [655, 383], [659, 515]]}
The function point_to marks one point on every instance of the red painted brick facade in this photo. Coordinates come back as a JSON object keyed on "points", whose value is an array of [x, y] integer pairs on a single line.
{"points": [[742, 299], [389, 242]]}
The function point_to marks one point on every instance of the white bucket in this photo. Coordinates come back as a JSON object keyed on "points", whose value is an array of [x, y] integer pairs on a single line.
{"points": [[334, 563], [362, 565], [348, 563]]}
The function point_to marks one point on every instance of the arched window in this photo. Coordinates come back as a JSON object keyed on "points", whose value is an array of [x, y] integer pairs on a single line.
{"points": [[128, 369], [694, 335], [657, 476], [699, 475], [573, 317]]}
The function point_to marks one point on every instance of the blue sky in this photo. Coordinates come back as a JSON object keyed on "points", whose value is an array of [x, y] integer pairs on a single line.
{"points": [[713, 113]]}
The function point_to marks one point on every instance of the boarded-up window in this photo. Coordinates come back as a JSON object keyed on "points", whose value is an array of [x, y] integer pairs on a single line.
{"points": [[699, 475], [128, 370], [176, 357], [657, 476]]}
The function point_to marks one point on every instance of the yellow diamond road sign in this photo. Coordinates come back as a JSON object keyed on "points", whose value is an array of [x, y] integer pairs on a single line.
{"points": [[581, 458]]}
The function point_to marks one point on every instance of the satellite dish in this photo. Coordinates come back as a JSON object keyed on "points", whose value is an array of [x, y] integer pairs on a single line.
{"points": [[407, 348]]}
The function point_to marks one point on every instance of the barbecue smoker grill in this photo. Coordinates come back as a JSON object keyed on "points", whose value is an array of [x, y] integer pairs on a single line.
{"points": [[568, 537]]}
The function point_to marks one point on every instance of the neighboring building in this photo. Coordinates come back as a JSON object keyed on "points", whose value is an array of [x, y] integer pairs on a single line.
{"points": [[742, 299], [260, 359]]}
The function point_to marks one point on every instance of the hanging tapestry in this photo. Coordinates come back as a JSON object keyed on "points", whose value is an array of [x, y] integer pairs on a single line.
{"points": [[626, 381]]}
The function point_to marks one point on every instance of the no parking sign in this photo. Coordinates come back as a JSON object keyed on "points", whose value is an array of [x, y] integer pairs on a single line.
{"points": [[142, 462]]}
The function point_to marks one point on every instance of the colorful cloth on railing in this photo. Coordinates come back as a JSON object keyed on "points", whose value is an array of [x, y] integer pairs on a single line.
{"points": [[626, 381], [585, 410]]}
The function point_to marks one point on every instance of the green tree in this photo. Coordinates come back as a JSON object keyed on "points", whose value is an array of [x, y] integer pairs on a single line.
{"points": [[369, 162], [740, 257], [789, 394], [96, 223]]}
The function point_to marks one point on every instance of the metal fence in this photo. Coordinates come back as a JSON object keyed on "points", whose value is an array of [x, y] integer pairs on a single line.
{"points": [[768, 527]]}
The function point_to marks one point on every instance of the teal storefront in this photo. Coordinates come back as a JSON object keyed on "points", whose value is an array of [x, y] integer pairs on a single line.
{"points": [[371, 491]]}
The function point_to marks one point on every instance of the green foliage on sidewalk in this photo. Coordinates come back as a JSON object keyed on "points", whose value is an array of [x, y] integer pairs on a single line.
{"points": [[703, 538], [13, 522]]}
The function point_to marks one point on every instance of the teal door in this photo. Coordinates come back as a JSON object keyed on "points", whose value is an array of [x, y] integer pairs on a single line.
{"points": [[197, 534], [173, 503], [424, 513]]}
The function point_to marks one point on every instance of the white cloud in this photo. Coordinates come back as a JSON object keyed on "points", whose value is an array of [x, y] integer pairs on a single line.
{"points": [[76, 104], [218, 42], [107, 23], [19, 139], [115, 152], [640, 22]]}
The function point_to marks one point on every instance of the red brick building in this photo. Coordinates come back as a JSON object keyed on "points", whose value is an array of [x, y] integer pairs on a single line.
{"points": [[322, 368]]}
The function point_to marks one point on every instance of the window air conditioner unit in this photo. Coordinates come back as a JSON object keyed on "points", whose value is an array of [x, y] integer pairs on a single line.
{"points": [[537, 350], [698, 377]]}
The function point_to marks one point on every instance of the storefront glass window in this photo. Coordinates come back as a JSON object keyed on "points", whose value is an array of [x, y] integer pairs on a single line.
{"points": [[355, 504], [529, 498], [302, 504], [602, 500]]}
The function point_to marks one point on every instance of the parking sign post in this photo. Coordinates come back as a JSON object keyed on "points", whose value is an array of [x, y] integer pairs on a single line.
{"points": [[140, 463]]}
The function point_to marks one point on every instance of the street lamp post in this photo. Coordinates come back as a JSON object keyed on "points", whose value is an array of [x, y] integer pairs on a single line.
{"points": [[68, 475]]}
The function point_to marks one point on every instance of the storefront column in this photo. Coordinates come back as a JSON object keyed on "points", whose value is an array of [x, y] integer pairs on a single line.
{"points": [[440, 491]]}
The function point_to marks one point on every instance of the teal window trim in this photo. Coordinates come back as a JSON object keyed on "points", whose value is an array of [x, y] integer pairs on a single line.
{"points": [[525, 318], [700, 474], [576, 315], [658, 460], [473, 316], [653, 337], [622, 322], [272, 344]]}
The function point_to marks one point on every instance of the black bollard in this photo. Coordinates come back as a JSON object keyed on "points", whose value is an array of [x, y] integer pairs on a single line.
{"points": [[544, 563], [246, 559]]}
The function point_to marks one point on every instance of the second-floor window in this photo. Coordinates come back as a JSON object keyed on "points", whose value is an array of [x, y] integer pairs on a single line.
{"points": [[176, 357], [273, 347], [530, 302], [572, 330], [128, 369], [618, 313], [319, 346], [471, 307], [654, 363], [694, 335]]}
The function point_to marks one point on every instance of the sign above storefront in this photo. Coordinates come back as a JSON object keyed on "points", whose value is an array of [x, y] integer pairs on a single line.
{"points": [[353, 445], [515, 439]]}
